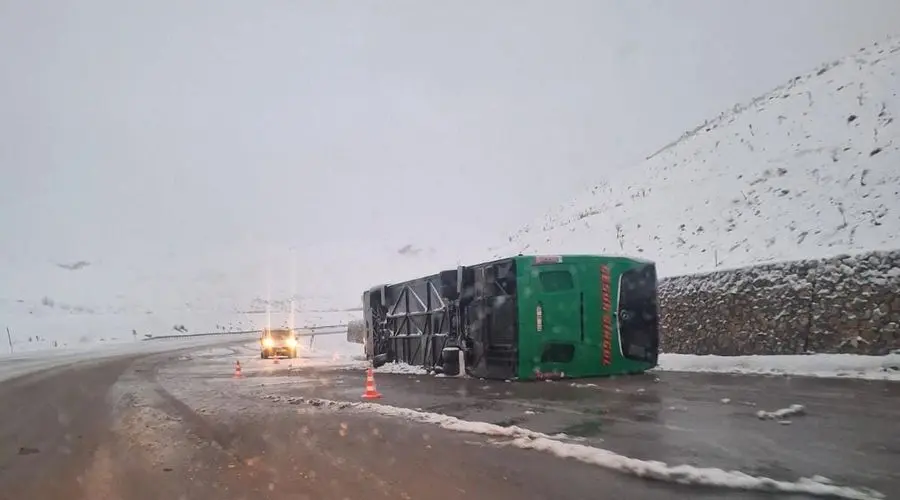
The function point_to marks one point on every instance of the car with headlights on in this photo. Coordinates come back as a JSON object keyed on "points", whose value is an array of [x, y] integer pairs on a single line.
{"points": [[277, 342]]}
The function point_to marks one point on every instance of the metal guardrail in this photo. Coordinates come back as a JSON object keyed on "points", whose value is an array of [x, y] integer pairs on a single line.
{"points": [[302, 332]]}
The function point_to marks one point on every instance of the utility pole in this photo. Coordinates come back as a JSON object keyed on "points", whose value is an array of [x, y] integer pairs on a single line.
{"points": [[9, 338]]}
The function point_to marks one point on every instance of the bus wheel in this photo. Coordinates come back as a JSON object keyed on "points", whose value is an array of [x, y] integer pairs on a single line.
{"points": [[379, 360], [450, 357]]}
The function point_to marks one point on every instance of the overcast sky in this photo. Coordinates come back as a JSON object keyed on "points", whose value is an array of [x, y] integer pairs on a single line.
{"points": [[179, 125]]}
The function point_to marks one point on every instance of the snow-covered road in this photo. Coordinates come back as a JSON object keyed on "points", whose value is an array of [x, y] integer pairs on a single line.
{"points": [[700, 429], [18, 364], [176, 424]]}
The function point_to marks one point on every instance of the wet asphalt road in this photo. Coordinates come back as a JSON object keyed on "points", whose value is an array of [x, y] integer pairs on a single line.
{"points": [[848, 432], [176, 426]]}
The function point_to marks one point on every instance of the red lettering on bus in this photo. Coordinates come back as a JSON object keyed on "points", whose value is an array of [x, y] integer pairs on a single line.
{"points": [[606, 298]]}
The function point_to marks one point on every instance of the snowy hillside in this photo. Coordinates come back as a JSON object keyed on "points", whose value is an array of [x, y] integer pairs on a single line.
{"points": [[809, 170]]}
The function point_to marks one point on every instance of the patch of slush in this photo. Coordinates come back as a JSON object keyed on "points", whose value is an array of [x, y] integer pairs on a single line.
{"points": [[268, 381], [690, 475], [215, 352], [316, 358], [814, 365], [782, 413], [360, 363], [647, 469], [402, 369]]}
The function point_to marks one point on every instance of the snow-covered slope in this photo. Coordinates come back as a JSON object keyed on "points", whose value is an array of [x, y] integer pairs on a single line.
{"points": [[809, 170]]}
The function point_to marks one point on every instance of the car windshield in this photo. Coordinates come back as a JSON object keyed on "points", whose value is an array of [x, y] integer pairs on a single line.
{"points": [[278, 334]]}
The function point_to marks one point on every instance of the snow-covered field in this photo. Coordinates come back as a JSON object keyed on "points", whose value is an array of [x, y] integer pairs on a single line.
{"points": [[54, 330], [233, 286], [13, 365], [328, 350], [805, 171]]}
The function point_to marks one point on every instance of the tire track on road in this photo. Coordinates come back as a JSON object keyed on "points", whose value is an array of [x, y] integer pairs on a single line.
{"points": [[200, 426]]}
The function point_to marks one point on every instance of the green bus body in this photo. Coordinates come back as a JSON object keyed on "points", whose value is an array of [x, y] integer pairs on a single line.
{"points": [[525, 317], [576, 295]]}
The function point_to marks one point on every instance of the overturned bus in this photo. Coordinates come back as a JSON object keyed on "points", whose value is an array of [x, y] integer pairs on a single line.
{"points": [[525, 317]]}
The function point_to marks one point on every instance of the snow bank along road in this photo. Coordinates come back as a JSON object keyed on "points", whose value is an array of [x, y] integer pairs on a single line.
{"points": [[179, 425]]}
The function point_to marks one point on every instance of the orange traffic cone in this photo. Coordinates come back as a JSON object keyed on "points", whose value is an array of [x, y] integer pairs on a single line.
{"points": [[371, 392], [237, 369]]}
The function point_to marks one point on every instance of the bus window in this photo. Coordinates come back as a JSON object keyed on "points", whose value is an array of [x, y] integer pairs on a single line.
{"points": [[556, 281], [558, 353]]}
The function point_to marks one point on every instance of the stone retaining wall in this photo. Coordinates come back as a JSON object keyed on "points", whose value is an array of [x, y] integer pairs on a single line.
{"points": [[845, 304]]}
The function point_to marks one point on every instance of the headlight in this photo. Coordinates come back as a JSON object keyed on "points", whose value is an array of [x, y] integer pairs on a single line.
{"points": [[268, 342], [292, 342]]}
